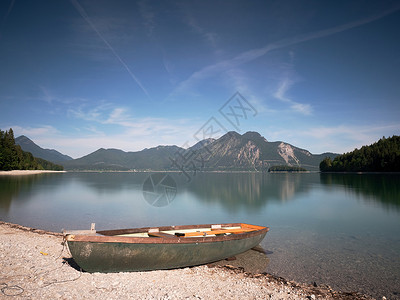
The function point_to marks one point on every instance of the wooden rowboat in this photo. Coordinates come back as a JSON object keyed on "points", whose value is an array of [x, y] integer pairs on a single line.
{"points": [[167, 247]]}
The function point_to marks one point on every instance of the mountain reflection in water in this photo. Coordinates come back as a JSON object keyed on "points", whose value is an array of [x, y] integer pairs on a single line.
{"points": [[380, 188], [248, 191], [233, 191]]}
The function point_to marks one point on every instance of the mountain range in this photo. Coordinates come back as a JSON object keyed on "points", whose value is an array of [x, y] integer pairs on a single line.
{"points": [[231, 152], [48, 154]]}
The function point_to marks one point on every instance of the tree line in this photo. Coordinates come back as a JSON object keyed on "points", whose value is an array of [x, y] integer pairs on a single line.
{"points": [[284, 168], [382, 156], [13, 158]]}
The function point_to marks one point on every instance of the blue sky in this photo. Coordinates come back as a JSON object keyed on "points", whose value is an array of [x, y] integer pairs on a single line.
{"points": [[78, 75]]}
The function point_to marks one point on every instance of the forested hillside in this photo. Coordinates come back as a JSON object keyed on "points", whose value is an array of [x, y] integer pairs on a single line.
{"points": [[284, 168], [382, 156], [47, 154], [13, 158]]}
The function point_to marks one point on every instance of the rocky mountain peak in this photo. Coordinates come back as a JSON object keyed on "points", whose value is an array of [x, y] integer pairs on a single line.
{"points": [[287, 153], [254, 136]]}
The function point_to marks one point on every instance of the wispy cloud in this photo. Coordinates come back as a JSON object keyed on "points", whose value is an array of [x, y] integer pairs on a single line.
{"points": [[107, 114], [44, 130], [340, 139], [222, 66], [85, 16], [148, 16], [53, 99], [281, 94], [211, 38], [134, 133], [94, 113], [235, 78]]}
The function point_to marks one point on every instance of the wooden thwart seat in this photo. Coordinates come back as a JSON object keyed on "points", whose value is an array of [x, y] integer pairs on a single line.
{"points": [[219, 231], [214, 230], [161, 234]]}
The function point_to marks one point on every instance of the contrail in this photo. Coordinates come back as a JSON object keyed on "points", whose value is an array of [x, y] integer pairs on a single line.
{"points": [[6, 15], [253, 54], [9, 10], [85, 16]]}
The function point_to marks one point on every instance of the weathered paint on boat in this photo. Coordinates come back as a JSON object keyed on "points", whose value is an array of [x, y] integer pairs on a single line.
{"points": [[111, 252]]}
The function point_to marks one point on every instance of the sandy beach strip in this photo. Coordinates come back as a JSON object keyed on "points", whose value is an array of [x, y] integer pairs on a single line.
{"points": [[35, 264], [27, 172]]}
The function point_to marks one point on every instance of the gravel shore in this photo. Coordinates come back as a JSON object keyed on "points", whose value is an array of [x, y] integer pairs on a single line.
{"points": [[35, 265]]}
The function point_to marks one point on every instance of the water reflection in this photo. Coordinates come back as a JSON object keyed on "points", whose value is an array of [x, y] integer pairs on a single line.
{"points": [[249, 191], [109, 182], [378, 188], [233, 191], [12, 186]]}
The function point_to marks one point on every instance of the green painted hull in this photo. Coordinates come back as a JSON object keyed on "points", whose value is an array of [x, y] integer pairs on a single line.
{"points": [[124, 257]]}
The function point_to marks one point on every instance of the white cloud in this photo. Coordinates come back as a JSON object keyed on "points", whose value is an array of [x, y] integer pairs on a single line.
{"points": [[33, 131], [224, 65], [109, 126], [135, 135], [118, 116], [237, 80], [338, 139], [97, 113], [140, 133], [281, 94], [108, 114]]}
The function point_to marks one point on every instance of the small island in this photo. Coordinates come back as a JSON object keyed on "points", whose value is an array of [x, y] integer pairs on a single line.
{"points": [[382, 156], [283, 168]]}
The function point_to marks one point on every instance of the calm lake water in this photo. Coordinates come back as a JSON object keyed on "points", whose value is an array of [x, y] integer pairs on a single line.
{"points": [[337, 229]]}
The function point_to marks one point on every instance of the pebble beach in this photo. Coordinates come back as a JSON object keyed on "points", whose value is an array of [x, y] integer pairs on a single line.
{"points": [[35, 264]]}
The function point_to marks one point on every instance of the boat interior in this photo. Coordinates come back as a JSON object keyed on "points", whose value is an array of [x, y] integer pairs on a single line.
{"points": [[175, 231], [211, 231]]}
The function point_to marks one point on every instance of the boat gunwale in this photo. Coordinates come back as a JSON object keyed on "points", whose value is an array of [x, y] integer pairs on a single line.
{"points": [[111, 236]]}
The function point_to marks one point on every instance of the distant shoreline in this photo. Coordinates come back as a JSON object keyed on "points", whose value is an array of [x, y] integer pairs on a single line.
{"points": [[177, 171], [35, 172], [27, 172]]}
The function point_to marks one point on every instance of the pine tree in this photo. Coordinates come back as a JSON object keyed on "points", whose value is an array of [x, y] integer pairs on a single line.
{"points": [[13, 158], [382, 156]]}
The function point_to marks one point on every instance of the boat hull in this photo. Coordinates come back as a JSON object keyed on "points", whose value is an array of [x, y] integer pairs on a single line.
{"points": [[125, 257], [166, 247]]}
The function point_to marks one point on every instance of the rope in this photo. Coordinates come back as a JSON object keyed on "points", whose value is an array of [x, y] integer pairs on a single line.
{"points": [[63, 281], [12, 290], [16, 290]]}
